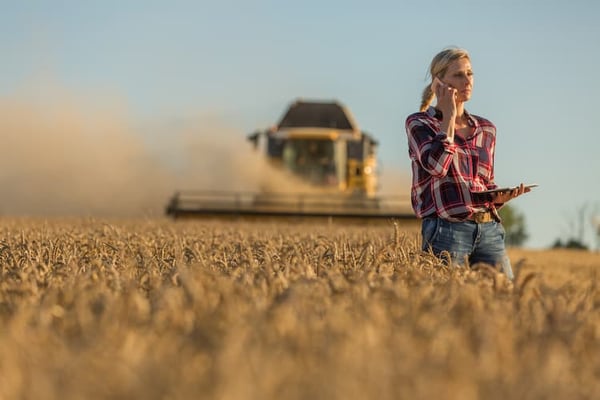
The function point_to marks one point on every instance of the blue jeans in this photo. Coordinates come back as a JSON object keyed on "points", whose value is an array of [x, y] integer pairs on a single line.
{"points": [[467, 240]]}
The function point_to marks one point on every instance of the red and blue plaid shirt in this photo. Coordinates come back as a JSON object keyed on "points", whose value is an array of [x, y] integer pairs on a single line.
{"points": [[447, 176]]}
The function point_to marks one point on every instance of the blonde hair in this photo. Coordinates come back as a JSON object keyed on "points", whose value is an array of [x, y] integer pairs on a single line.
{"points": [[438, 67]]}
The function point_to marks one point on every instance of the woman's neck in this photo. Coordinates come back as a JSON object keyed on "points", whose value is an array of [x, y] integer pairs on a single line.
{"points": [[460, 118]]}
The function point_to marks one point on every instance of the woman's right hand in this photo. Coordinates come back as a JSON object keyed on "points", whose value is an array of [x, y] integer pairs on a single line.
{"points": [[446, 97], [446, 103]]}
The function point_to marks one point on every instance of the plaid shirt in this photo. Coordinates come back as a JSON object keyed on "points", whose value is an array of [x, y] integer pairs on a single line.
{"points": [[446, 176]]}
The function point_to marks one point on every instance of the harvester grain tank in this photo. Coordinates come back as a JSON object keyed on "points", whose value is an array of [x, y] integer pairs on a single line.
{"points": [[320, 145]]}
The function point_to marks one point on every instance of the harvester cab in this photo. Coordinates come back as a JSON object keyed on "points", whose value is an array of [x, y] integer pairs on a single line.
{"points": [[320, 145]]}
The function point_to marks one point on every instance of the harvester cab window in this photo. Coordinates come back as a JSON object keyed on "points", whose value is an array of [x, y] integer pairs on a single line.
{"points": [[313, 159]]}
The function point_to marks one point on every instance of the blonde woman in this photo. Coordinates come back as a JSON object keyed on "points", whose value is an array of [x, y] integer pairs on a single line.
{"points": [[452, 157]]}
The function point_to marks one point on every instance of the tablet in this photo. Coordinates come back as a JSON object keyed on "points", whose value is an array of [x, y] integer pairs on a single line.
{"points": [[507, 189]]}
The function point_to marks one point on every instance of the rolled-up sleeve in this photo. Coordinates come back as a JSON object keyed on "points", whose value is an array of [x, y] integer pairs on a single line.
{"points": [[431, 150]]}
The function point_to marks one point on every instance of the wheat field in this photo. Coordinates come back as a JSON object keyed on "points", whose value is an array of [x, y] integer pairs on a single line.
{"points": [[157, 309]]}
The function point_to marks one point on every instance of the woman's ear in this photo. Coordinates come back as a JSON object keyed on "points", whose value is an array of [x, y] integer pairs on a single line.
{"points": [[435, 84]]}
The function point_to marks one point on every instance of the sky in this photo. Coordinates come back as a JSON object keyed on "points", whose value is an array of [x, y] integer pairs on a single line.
{"points": [[237, 64]]}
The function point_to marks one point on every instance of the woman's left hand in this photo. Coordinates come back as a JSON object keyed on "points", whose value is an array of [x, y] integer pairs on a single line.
{"points": [[504, 197]]}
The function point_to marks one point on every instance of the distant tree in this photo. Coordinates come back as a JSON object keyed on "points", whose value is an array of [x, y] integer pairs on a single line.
{"points": [[514, 225], [569, 244], [577, 228], [596, 225]]}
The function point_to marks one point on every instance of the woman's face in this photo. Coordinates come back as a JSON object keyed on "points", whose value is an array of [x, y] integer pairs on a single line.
{"points": [[459, 75]]}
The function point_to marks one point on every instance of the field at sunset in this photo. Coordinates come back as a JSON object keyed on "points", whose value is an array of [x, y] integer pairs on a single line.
{"points": [[157, 309]]}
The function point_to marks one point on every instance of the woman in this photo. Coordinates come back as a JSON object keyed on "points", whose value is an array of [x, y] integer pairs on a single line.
{"points": [[452, 153]]}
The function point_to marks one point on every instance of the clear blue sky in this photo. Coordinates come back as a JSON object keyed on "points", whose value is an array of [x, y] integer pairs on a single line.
{"points": [[536, 72]]}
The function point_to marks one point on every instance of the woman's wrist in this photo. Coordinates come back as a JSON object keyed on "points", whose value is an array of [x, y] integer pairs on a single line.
{"points": [[448, 128], [445, 137]]}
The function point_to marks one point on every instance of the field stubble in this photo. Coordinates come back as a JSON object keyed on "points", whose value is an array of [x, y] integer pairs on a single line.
{"points": [[155, 309]]}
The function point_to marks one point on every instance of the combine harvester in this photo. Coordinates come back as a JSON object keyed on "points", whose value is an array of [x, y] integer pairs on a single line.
{"points": [[320, 145]]}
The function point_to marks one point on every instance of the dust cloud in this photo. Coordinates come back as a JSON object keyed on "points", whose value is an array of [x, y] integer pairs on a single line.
{"points": [[217, 157], [67, 158], [72, 157]]}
